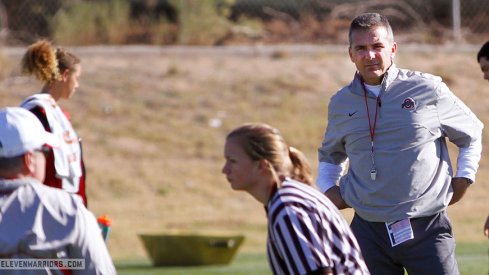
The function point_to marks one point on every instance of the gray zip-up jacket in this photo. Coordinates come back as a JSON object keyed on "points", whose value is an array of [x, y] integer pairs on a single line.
{"points": [[416, 113]]}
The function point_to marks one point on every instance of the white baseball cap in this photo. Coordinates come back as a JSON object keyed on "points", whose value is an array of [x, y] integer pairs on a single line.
{"points": [[21, 132]]}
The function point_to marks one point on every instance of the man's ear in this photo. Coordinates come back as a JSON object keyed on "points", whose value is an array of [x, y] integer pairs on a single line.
{"points": [[29, 162], [350, 53], [393, 50]]}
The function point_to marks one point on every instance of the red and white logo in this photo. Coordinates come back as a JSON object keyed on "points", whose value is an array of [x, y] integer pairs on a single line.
{"points": [[408, 104]]}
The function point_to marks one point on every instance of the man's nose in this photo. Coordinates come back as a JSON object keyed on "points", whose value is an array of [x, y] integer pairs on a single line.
{"points": [[371, 54]]}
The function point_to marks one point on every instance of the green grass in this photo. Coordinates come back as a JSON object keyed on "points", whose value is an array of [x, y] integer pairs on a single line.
{"points": [[473, 258], [242, 264]]}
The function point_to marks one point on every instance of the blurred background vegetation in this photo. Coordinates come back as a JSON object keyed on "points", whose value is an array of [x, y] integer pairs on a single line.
{"points": [[223, 22]]}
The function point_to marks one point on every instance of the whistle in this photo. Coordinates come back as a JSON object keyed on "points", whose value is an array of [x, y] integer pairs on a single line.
{"points": [[373, 173]]}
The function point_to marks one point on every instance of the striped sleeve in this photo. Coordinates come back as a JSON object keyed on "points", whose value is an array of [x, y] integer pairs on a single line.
{"points": [[306, 233], [295, 234]]}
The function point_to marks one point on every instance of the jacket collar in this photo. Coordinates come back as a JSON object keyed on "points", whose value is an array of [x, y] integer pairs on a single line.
{"points": [[390, 75], [12, 185]]}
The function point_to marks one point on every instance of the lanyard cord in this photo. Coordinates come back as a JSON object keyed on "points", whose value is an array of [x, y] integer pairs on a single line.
{"points": [[372, 130]]}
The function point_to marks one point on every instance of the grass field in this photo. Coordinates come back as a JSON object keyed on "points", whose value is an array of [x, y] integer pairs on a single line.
{"points": [[153, 122], [473, 259]]}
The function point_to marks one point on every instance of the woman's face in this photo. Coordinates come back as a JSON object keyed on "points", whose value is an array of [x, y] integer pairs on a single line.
{"points": [[240, 170], [71, 81]]}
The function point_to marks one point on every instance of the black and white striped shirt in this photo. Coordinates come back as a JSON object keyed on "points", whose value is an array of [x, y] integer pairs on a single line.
{"points": [[307, 233]]}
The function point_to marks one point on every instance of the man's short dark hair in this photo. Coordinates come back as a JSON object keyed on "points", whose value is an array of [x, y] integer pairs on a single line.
{"points": [[368, 21], [11, 163], [483, 52]]}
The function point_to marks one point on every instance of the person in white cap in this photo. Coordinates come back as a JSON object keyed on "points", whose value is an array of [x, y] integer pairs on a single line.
{"points": [[38, 221]]}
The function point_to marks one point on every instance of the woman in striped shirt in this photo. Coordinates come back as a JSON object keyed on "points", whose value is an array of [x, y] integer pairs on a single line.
{"points": [[306, 232]]}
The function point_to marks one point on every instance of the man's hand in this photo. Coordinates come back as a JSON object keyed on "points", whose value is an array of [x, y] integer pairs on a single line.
{"points": [[486, 227], [334, 195], [459, 186]]}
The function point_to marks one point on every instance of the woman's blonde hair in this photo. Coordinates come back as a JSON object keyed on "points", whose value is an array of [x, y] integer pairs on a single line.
{"points": [[261, 141], [47, 63]]}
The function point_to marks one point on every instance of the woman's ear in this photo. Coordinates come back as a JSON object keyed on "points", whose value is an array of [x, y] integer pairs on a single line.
{"points": [[65, 75], [264, 165]]}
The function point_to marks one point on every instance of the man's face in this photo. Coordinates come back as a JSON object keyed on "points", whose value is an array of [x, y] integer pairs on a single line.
{"points": [[372, 52], [484, 63]]}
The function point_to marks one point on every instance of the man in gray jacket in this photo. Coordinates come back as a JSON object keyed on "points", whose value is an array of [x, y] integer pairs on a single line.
{"points": [[392, 126], [43, 230]]}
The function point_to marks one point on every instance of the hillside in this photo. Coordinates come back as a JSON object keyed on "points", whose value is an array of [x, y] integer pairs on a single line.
{"points": [[153, 122]]}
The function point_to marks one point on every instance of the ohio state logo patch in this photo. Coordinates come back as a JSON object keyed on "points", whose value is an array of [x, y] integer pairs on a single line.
{"points": [[408, 104]]}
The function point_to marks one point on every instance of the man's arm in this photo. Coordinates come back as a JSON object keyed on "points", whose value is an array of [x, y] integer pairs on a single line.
{"points": [[459, 186], [464, 129], [334, 195], [90, 245], [486, 227], [467, 164], [328, 176]]}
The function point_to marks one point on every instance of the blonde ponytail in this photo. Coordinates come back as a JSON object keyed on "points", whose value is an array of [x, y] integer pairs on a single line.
{"points": [[301, 169], [261, 141]]}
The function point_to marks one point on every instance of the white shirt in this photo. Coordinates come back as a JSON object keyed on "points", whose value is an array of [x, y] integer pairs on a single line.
{"points": [[40, 222], [67, 158]]}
